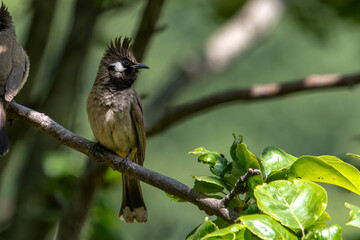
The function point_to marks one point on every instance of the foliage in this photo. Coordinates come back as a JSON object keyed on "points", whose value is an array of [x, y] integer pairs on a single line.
{"points": [[354, 215], [287, 52], [283, 202]]}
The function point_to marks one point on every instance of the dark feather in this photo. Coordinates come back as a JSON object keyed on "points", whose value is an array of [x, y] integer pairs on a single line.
{"points": [[5, 18], [15, 81], [133, 205], [117, 85], [137, 116], [120, 49], [4, 147], [132, 196]]}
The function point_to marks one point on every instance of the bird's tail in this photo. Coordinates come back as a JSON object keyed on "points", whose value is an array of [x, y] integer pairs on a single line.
{"points": [[4, 146], [133, 205]]}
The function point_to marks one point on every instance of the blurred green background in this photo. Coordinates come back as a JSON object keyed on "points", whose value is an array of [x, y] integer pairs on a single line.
{"points": [[311, 37]]}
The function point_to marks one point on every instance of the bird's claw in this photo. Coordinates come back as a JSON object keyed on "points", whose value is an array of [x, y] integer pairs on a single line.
{"points": [[98, 147]]}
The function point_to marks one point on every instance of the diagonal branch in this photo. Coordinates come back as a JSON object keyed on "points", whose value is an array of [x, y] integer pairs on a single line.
{"points": [[239, 185], [173, 114], [210, 205], [75, 212], [232, 39], [46, 124]]}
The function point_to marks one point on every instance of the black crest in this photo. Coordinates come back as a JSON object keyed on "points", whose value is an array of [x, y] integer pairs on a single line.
{"points": [[5, 17], [120, 49]]}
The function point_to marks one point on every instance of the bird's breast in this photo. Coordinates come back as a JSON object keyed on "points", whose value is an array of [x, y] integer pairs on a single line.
{"points": [[111, 121]]}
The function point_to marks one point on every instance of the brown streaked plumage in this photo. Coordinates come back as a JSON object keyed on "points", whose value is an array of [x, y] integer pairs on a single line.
{"points": [[14, 69], [116, 118]]}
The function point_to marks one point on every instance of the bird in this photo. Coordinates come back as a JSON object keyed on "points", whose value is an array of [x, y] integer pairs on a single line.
{"points": [[14, 70], [115, 113]]}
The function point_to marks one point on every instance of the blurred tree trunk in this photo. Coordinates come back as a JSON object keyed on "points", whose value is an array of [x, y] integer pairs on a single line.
{"points": [[38, 35], [76, 211], [36, 210], [147, 27]]}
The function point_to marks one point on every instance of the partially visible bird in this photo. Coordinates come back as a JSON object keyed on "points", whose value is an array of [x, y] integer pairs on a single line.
{"points": [[116, 118], [14, 70]]}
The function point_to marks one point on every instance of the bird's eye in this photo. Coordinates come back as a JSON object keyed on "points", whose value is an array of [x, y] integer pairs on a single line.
{"points": [[111, 68], [126, 62]]}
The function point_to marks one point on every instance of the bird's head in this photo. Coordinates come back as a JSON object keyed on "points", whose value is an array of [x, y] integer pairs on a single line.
{"points": [[6, 22], [119, 64]]}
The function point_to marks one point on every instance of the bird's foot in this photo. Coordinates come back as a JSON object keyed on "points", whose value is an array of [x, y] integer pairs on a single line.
{"points": [[98, 147], [128, 157]]}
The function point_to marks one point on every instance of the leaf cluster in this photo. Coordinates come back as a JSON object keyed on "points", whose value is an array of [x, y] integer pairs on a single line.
{"points": [[283, 202]]}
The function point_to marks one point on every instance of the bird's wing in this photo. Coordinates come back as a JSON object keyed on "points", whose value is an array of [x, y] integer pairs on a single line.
{"points": [[17, 76], [137, 115], [5, 62]]}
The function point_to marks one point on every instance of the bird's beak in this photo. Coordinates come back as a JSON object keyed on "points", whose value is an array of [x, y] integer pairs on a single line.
{"points": [[140, 65]]}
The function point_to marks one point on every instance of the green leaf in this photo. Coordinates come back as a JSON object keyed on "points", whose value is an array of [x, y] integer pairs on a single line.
{"points": [[252, 209], [353, 155], [232, 173], [174, 198], [320, 222], [253, 182], [237, 141], [209, 184], [216, 161], [248, 160], [354, 215], [221, 223], [329, 233], [220, 235], [248, 236], [232, 232], [266, 227], [277, 175], [199, 151], [327, 169], [296, 204], [245, 158], [205, 228], [276, 159], [216, 196]]}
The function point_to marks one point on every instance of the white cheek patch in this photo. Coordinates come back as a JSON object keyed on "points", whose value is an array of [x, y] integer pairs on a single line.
{"points": [[118, 67], [3, 49]]}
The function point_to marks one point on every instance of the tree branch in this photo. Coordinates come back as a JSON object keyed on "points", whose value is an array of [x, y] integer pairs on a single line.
{"points": [[46, 124], [75, 212], [173, 114], [239, 185], [251, 22], [230, 40], [211, 206]]}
